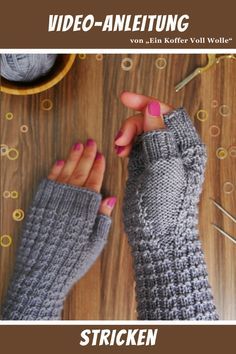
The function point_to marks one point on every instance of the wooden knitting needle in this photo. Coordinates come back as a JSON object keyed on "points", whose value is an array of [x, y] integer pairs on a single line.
{"points": [[231, 238], [224, 211]]}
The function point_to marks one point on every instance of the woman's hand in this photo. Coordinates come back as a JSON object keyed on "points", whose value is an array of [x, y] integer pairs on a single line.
{"points": [[149, 118], [84, 167]]}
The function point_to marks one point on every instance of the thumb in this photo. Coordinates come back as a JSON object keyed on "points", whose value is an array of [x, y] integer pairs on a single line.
{"points": [[153, 118]]}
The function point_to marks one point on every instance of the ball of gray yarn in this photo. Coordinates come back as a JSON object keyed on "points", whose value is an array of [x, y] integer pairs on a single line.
{"points": [[26, 67]]}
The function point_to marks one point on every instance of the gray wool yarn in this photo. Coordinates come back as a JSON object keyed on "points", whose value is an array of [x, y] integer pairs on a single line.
{"points": [[26, 67], [62, 237]]}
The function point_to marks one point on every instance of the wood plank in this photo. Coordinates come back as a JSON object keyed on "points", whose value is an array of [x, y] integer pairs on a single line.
{"points": [[86, 104]]}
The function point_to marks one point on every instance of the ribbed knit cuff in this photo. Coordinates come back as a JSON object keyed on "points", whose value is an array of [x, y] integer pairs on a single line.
{"points": [[66, 198], [180, 124], [158, 144]]}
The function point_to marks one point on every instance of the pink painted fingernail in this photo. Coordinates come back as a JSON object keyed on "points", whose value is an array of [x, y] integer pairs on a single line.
{"points": [[76, 146], [154, 109], [111, 202], [60, 162], [119, 149], [118, 135], [90, 142], [98, 156]]}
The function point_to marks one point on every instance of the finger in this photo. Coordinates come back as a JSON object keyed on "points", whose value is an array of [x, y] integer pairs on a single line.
{"points": [[107, 205], [131, 127], [139, 102], [56, 170], [71, 162], [123, 151], [95, 178], [85, 164], [153, 118]]}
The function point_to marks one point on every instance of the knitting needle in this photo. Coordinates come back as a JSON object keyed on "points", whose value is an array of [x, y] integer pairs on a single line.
{"points": [[223, 211], [224, 233]]}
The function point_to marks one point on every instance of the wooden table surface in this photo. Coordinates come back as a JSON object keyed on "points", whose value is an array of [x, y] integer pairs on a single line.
{"points": [[86, 104]]}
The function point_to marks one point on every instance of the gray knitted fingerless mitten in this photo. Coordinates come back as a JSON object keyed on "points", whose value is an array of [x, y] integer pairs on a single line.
{"points": [[166, 172], [62, 237]]}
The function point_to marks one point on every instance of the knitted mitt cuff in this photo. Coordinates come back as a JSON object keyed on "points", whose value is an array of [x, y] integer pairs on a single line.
{"points": [[65, 198], [180, 124], [158, 144]]}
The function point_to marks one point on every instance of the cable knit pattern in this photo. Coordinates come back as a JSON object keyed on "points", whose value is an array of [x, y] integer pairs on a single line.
{"points": [[62, 237], [166, 172]]}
